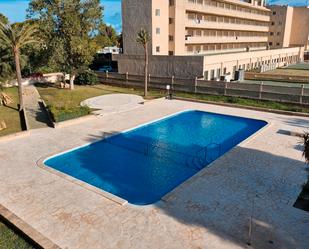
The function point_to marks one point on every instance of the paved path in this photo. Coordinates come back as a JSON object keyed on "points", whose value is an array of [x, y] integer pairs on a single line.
{"points": [[113, 103], [261, 178], [37, 117]]}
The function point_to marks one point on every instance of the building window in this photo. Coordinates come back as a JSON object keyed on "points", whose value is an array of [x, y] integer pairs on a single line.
{"points": [[274, 13], [271, 33], [278, 44], [158, 49], [278, 33], [157, 12], [171, 38], [170, 52], [272, 23], [171, 2], [170, 20], [157, 31]]}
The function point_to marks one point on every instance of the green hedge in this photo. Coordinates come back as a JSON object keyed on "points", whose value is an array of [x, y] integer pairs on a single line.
{"points": [[60, 114], [87, 78]]}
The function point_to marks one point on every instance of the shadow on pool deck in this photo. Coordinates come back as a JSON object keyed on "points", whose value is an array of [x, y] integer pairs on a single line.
{"points": [[243, 183], [297, 122], [258, 185]]}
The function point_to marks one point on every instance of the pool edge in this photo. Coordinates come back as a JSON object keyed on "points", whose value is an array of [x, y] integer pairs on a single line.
{"points": [[114, 198], [118, 200]]}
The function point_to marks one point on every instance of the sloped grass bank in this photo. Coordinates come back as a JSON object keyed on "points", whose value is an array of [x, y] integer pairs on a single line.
{"points": [[9, 114]]}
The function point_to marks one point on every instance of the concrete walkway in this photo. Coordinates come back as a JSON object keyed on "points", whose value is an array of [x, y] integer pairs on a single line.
{"points": [[260, 178], [36, 115]]}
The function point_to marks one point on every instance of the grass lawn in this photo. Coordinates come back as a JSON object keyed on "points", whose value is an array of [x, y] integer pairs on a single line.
{"points": [[64, 104], [11, 240], [71, 99], [10, 114]]}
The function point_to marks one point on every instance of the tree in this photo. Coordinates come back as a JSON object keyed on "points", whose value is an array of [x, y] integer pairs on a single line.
{"points": [[3, 19], [143, 38], [106, 36], [14, 37], [5, 58], [68, 26]]}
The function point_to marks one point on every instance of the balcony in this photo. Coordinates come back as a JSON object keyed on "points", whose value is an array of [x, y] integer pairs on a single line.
{"points": [[225, 39], [200, 24], [208, 9], [224, 51]]}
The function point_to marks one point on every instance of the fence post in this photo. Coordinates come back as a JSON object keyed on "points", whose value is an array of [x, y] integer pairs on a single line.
{"points": [[106, 74], [301, 93], [261, 90], [172, 83], [149, 79], [195, 84], [127, 76], [225, 87]]}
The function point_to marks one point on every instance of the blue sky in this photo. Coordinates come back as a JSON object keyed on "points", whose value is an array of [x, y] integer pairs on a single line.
{"points": [[15, 10]]}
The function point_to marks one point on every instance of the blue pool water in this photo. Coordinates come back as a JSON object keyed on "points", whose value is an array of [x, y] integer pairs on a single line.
{"points": [[144, 164]]}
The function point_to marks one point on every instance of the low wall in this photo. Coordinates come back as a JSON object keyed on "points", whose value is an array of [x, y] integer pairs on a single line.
{"points": [[51, 78], [166, 66]]}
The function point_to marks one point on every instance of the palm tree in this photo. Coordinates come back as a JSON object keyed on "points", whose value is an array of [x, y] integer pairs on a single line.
{"points": [[14, 37], [143, 38]]}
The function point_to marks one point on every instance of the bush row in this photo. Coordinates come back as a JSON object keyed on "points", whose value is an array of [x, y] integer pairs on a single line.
{"points": [[86, 78], [60, 114]]}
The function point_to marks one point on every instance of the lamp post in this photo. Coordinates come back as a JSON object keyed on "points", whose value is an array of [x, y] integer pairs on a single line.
{"points": [[169, 93]]}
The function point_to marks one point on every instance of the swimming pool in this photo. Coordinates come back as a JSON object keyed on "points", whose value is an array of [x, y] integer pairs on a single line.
{"points": [[144, 164]]}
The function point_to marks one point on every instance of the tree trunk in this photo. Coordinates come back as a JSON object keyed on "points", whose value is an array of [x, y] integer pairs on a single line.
{"points": [[18, 75], [72, 78], [146, 71]]}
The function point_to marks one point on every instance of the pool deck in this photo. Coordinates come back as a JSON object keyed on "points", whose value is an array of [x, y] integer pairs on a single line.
{"points": [[261, 178]]}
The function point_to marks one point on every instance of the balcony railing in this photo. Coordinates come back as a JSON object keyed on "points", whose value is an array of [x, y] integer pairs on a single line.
{"points": [[224, 39], [192, 23], [241, 12]]}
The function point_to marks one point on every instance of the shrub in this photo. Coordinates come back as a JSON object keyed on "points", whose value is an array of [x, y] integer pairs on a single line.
{"points": [[86, 78], [60, 114]]}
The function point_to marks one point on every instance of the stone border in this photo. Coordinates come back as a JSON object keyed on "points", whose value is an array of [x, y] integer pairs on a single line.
{"points": [[16, 135], [40, 163], [46, 110], [26, 119], [300, 114], [73, 121], [29, 232]]}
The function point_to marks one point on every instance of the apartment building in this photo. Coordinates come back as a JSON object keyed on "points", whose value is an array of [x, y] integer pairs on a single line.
{"points": [[188, 35], [289, 27]]}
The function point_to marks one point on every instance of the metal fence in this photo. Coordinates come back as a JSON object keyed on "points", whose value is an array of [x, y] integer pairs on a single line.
{"points": [[296, 95]]}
